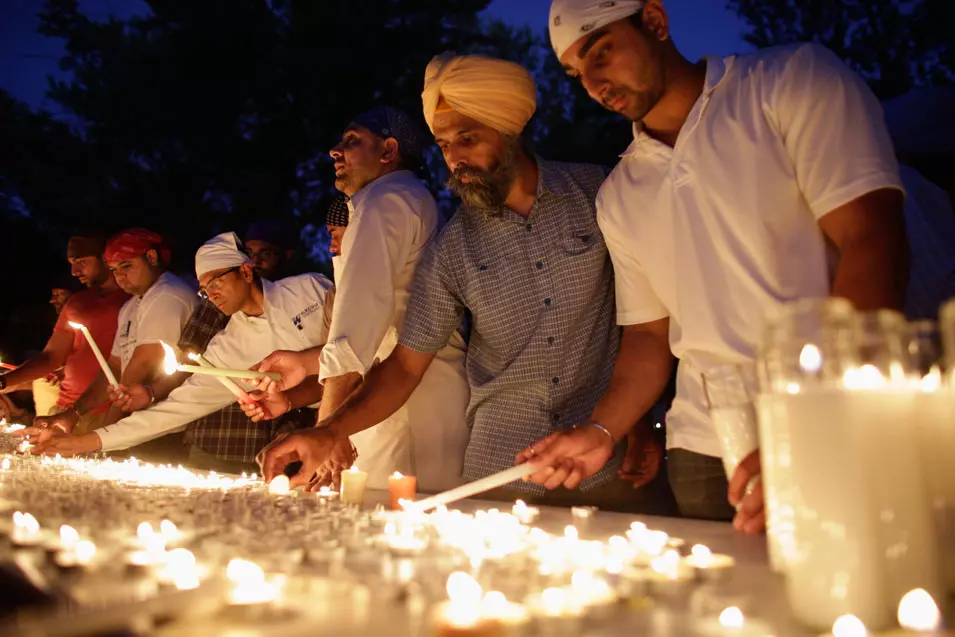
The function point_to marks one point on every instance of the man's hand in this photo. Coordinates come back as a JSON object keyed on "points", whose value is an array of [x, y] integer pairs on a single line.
{"points": [[644, 457], [568, 458], [342, 456], [55, 378], [311, 447], [67, 445], [265, 405], [130, 398], [64, 421], [750, 512], [293, 366]]}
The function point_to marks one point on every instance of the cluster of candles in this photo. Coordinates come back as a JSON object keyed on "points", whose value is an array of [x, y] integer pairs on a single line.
{"points": [[478, 572]]}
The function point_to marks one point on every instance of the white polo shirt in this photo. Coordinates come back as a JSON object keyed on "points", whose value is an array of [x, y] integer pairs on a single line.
{"points": [[719, 229], [293, 319], [158, 315]]}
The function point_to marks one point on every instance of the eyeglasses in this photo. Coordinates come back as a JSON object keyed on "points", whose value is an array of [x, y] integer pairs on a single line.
{"points": [[215, 283]]}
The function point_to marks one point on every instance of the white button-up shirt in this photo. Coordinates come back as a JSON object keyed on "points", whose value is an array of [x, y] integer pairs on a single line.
{"points": [[391, 222], [724, 226], [158, 315], [293, 319]]}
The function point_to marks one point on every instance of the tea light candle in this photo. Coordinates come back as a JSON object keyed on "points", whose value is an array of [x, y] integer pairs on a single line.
{"points": [[401, 487], [280, 485], [669, 575], [556, 612], [250, 584], [710, 566], [462, 616], [405, 543], [848, 626], [80, 555], [525, 514], [583, 516], [732, 623], [326, 496], [496, 608], [918, 616], [595, 593], [354, 482], [26, 530]]}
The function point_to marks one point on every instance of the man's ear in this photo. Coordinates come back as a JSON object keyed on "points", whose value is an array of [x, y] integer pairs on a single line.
{"points": [[152, 257], [389, 151]]}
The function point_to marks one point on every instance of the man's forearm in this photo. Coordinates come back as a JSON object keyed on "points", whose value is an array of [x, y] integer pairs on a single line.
{"points": [[94, 396], [872, 273], [641, 372], [385, 389], [37, 367], [308, 392], [337, 389]]}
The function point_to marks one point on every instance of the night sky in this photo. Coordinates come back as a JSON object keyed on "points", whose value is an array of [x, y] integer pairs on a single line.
{"points": [[26, 58]]}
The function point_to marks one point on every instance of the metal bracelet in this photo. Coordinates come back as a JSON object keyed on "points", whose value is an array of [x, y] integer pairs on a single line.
{"points": [[605, 430]]}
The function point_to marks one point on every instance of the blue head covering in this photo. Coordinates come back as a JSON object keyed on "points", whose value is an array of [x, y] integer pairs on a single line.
{"points": [[386, 122]]}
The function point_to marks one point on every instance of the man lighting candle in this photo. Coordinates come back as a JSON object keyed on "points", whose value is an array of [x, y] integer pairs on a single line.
{"points": [[392, 218], [265, 316], [97, 308], [525, 257], [743, 171], [160, 306]]}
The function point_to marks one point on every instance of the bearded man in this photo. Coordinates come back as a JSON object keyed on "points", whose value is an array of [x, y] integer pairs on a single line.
{"points": [[525, 257]]}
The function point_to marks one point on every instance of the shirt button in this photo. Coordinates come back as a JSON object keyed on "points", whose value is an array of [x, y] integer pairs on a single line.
{"points": [[547, 301], [556, 380], [540, 265], [529, 227], [550, 340]]}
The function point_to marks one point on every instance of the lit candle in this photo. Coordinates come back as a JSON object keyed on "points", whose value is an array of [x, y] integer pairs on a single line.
{"points": [[918, 616], [594, 593], [326, 495], [80, 555], [525, 514], [26, 530], [669, 575], [461, 616], [556, 612], [250, 586], [401, 487], [179, 569], [583, 516], [96, 352], [513, 617], [280, 485], [848, 626], [227, 373], [171, 366], [709, 565], [353, 486], [732, 623]]}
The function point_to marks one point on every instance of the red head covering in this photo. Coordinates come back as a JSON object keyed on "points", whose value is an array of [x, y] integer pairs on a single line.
{"points": [[135, 242]]}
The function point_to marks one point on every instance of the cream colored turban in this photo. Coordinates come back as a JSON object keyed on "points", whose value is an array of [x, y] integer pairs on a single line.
{"points": [[494, 92], [571, 20], [220, 252]]}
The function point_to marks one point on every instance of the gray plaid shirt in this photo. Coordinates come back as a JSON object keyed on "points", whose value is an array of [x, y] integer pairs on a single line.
{"points": [[540, 290]]}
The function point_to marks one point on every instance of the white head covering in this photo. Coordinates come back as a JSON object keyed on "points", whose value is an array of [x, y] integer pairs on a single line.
{"points": [[571, 20], [220, 252]]}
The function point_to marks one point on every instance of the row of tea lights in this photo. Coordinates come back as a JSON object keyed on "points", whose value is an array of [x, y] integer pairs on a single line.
{"points": [[580, 578]]}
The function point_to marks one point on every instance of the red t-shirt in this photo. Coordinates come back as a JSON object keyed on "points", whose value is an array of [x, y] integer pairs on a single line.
{"points": [[100, 314]]}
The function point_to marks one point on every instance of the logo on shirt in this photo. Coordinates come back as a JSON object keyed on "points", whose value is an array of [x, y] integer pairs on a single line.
{"points": [[311, 309], [129, 325]]}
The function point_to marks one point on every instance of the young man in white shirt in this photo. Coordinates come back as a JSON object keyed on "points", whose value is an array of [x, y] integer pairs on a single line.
{"points": [[392, 219], [743, 171], [160, 305], [265, 316]]}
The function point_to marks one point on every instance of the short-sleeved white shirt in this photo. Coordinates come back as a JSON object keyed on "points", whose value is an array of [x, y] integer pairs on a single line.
{"points": [[158, 315], [719, 229]]}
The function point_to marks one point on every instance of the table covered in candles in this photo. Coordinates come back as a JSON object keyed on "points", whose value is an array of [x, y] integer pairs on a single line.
{"points": [[165, 551]]}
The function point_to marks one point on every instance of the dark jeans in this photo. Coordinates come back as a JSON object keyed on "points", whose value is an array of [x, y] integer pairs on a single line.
{"points": [[617, 495], [699, 484]]}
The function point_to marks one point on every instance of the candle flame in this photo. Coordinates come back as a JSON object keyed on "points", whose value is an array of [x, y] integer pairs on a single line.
{"points": [[731, 617], [280, 485], [76, 326], [919, 612], [244, 572], [702, 555], [570, 532], [932, 381], [68, 536], [849, 626], [26, 522], [865, 377], [464, 589], [397, 475], [554, 600], [193, 356], [353, 468], [144, 530], [168, 529], [84, 550], [810, 359], [170, 364]]}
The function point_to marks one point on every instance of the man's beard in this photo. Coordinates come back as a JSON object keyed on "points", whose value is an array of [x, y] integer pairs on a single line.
{"points": [[486, 190]]}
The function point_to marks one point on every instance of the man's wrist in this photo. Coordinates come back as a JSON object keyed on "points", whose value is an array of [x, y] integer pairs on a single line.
{"points": [[152, 394], [593, 424]]}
